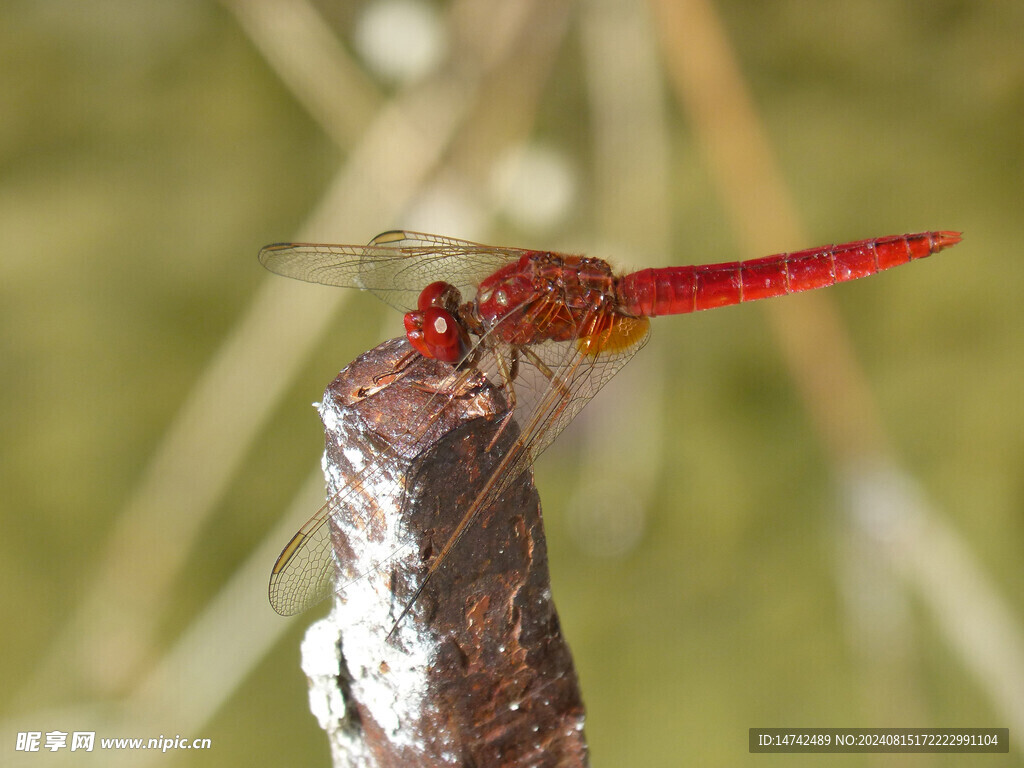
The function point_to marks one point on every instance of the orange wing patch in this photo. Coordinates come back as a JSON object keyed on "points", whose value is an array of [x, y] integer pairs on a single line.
{"points": [[620, 334]]}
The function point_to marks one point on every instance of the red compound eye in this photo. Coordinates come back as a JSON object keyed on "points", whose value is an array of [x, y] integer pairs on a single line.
{"points": [[443, 335], [439, 294], [414, 332], [434, 332]]}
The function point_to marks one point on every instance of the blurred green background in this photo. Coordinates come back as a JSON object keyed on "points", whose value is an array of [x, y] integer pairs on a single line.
{"points": [[721, 557]]}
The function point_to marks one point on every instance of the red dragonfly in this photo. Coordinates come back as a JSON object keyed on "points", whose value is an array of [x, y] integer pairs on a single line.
{"points": [[569, 322]]}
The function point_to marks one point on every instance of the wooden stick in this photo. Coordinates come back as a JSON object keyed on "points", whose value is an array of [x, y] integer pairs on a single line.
{"points": [[477, 673]]}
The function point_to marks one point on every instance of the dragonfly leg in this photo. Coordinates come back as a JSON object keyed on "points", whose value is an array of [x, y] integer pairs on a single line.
{"points": [[401, 369], [382, 380], [541, 366], [457, 384], [508, 370]]}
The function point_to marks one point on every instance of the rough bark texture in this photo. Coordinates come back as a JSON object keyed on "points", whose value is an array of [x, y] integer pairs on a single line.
{"points": [[477, 673]]}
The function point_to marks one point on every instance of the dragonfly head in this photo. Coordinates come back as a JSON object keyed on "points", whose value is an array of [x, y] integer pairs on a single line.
{"points": [[440, 294], [435, 332]]}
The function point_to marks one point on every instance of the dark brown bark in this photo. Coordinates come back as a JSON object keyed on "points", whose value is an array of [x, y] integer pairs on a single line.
{"points": [[477, 673]]}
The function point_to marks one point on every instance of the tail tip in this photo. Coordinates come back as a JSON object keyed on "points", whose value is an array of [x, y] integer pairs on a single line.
{"points": [[942, 240]]}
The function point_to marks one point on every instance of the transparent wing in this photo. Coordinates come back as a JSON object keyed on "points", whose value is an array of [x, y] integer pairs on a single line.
{"points": [[558, 379], [395, 265], [572, 372], [304, 572]]}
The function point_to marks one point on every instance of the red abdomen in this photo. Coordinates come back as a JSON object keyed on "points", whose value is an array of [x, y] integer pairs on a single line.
{"points": [[676, 290]]}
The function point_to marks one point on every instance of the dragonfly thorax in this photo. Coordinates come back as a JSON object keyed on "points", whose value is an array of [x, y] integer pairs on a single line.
{"points": [[545, 297]]}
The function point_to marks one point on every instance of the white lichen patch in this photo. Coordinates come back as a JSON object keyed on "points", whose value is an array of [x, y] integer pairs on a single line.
{"points": [[322, 665], [388, 678]]}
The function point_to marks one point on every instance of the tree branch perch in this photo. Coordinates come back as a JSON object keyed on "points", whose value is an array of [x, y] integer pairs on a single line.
{"points": [[477, 673]]}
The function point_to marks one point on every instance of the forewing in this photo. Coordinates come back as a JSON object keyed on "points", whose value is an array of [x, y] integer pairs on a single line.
{"points": [[395, 265], [304, 572]]}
